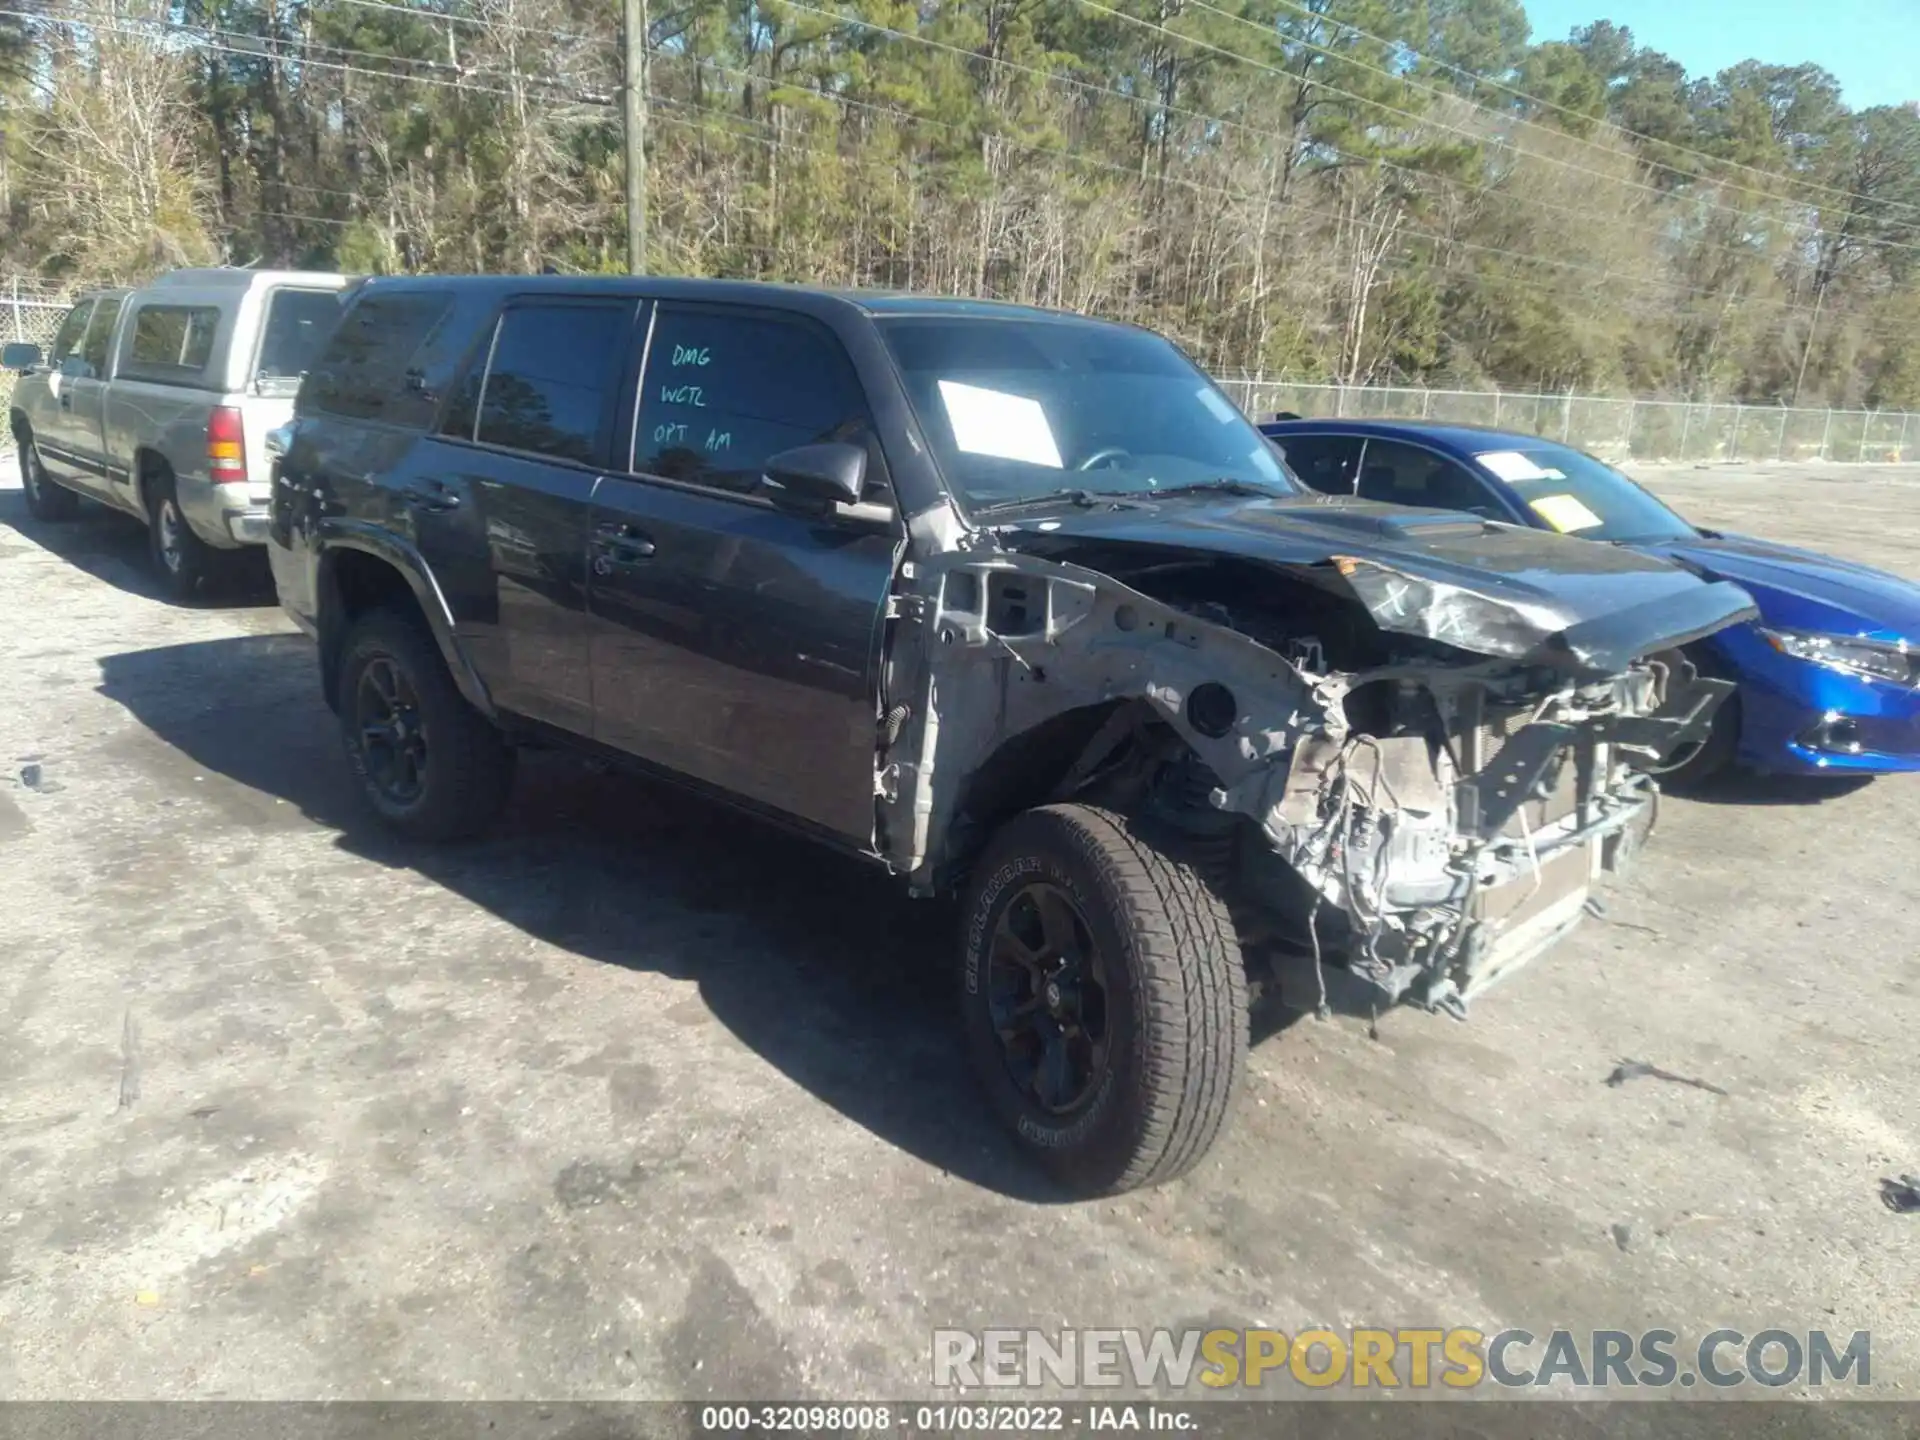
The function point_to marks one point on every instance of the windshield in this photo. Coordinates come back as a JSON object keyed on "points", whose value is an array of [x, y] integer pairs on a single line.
{"points": [[1579, 495], [1019, 410]]}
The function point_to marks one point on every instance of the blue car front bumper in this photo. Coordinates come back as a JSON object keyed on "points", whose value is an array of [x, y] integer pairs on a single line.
{"points": [[1799, 718]]}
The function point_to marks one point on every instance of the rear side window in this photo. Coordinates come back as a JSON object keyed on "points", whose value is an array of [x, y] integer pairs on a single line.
{"points": [[1408, 475], [94, 348], [66, 339], [371, 368], [171, 342], [724, 390], [1326, 462], [299, 324], [552, 370]]}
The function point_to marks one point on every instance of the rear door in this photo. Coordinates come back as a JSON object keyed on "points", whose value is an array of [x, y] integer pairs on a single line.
{"points": [[499, 503], [738, 643]]}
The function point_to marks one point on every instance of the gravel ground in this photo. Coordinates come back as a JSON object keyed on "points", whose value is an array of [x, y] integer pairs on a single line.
{"points": [[640, 1100]]}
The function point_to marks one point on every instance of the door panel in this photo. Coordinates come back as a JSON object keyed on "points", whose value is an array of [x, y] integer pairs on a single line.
{"points": [[506, 539], [739, 645], [85, 398], [503, 518], [52, 418]]}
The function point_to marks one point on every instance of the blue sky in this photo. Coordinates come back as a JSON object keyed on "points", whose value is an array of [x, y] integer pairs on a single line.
{"points": [[1873, 46]]}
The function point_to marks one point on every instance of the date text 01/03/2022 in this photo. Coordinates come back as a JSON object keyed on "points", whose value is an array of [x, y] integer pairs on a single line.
{"points": [[943, 1419]]}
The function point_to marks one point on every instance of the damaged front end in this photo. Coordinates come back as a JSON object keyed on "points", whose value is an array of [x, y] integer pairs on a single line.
{"points": [[1408, 774]]}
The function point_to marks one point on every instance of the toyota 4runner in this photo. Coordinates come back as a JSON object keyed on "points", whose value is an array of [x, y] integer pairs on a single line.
{"points": [[1012, 603]]}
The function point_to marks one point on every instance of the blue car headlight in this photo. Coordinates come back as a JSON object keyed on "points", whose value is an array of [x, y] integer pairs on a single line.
{"points": [[1851, 654]]}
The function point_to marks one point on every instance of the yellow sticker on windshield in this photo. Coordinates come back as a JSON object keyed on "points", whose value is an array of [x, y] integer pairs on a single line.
{"points": [[1565, 513]]}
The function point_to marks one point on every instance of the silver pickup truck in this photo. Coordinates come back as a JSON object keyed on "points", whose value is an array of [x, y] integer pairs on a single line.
{"points": [[158, 402]]}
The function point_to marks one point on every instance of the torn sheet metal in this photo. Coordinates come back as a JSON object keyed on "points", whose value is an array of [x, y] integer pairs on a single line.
{"points": [[1431, 819]]}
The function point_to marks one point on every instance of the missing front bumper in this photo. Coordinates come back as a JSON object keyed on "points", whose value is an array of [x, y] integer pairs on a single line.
{"points": [[1452, 887]]}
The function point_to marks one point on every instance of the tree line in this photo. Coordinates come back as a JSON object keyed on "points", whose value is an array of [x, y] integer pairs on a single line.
{"points": [[1354, 190]]}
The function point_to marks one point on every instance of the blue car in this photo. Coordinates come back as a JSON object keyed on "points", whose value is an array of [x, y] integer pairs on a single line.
{"points": [[1829, 675]]}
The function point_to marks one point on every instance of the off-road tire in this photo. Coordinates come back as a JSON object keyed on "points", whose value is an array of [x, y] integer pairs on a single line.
{"points": [[47, 499], [470, 765], [1177, 1007], [184, 563]]}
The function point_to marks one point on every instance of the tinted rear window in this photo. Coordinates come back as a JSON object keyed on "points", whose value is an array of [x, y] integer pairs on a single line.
{"points": [[299, 324], [171, 342], [552, 370], [371, 368]]}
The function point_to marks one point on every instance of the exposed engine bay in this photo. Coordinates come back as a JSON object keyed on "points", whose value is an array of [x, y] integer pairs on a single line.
{"points": [[1428, 813]]}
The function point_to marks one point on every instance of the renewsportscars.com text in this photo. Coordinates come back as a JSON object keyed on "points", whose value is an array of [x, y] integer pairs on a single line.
{"points": [[1403, 1358]]}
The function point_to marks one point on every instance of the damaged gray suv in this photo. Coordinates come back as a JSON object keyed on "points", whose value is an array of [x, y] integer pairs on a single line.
{"points": [[1014, 604]]}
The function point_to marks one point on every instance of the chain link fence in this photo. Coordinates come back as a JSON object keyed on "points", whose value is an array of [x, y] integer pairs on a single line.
{"points": [[1676, 431], [29, 312], [1673, 431]]}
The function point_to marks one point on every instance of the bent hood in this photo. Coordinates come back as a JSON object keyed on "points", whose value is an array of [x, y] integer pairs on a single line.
{"points": [[1502, 590], [1799, 588]]}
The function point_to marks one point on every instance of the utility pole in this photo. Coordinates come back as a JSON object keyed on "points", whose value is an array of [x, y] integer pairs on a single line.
{"points": [[633, 99], [1806, 351]]}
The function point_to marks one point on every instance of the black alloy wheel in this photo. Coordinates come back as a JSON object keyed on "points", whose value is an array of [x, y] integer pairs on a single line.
{"points": [[1047, 991], [393, 734]]}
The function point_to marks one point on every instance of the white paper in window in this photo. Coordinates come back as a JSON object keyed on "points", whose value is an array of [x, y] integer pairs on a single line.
{"points": [[992, 422], [1221, 407], [1512, 465]]}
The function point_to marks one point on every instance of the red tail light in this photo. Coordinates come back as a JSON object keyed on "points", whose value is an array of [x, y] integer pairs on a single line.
{"points": [[226, 444]]}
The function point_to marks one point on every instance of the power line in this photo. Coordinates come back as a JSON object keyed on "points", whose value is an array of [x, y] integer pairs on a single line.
{"points": [[1741, 252], [423, 12], [1411, 116], [1226, 122], [1478, 79], [217, 40], [200, 34], [1243, 197]]}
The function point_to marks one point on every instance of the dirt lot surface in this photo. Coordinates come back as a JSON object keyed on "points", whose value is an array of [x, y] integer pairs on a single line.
{"points": [[637, 1099]]}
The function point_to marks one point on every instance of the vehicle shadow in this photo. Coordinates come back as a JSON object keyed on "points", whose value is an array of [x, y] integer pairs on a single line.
{"points": [[112, 547], [816, 962]]}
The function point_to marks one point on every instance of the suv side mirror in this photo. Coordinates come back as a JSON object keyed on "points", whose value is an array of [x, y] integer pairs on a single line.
{"points": [[815, 478], [21, 356]]}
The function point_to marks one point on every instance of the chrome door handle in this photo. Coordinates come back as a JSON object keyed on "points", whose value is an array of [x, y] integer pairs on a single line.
{"points": [[620, 544]]}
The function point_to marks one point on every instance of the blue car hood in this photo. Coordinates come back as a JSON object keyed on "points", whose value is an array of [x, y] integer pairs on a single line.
{"points": [[1795, 587]]}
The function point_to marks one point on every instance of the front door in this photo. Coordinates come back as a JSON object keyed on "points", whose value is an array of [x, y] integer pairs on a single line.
{"points": [[52, 418], [738, 643], [83, 399]]}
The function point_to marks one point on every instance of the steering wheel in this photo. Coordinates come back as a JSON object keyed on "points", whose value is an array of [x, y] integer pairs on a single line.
{"points": [[1104, 453]]}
